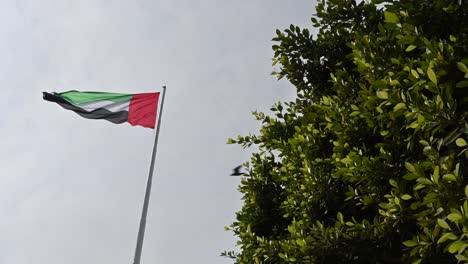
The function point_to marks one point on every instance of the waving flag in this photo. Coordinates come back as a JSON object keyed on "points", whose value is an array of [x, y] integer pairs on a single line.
{"points": [[136, 109]]}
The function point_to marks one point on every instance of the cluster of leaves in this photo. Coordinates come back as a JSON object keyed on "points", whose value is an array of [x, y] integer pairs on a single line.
{"points": [[369, 163]]}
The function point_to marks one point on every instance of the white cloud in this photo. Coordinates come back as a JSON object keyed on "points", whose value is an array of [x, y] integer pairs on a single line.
{"points": [[71, 189]]}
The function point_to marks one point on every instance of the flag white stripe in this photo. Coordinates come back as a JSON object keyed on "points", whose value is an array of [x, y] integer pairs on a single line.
{"points": [[109, 105]]}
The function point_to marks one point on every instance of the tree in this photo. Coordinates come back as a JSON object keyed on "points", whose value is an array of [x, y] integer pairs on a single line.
{"points": [[369, 163]]}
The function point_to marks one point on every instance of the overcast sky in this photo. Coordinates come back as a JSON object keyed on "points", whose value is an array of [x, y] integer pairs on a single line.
{"points": [[71, 189]]}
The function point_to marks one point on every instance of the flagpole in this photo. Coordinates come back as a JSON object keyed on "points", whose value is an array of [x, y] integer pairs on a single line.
{"points": [[141, 230]]}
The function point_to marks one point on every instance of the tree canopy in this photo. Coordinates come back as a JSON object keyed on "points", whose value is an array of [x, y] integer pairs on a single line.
{"points": [[369, 163]]}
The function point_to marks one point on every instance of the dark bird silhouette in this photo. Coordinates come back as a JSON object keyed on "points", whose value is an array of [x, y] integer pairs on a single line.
{"points": [[236, 171]]}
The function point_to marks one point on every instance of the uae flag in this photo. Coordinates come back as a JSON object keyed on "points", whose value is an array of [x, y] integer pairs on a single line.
{"points": [[136, 109]]}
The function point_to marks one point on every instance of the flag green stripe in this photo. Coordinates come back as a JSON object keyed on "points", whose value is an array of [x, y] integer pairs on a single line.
{"points": [[76, 97]]}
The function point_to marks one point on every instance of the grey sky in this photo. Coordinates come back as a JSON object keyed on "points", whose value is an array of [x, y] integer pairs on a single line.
{"points": [[70, 188]]}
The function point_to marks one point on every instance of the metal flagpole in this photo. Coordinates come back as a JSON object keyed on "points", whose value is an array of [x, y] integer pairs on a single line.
{"points": [[141, 230]]}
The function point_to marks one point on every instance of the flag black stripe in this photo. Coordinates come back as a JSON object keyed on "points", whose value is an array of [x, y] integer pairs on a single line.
{"points": [[99, 113]]}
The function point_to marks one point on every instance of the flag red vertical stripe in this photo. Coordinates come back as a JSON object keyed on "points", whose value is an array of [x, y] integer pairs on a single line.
{"points": [[143, 109]]}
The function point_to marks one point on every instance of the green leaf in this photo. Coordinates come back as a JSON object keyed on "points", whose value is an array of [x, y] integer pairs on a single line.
{"points": [[454, 217], [415, 74], [462, 84], [452, 136], [410, 243], [410, 167], [393, 183], [395, 61], [419, 187], [460, 142], [415, 124], [462, 248], [445, 237], [406, 197], [455, 246], [449, 177], [424, 181], [399, 106], [462, 67], [401, 114], [410, 48], [431, 75], [300, 242], [435, 176], [391, 17], [340, 217], [397, 201], [443, 224], [382, 94], [410, 176]]}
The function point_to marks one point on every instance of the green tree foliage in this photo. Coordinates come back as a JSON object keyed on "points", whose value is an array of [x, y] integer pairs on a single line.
{"points": [[369, 163]]}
